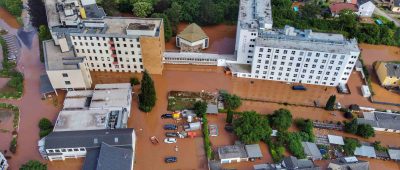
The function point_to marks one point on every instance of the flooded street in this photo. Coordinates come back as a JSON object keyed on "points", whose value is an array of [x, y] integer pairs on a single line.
{"points": [[221, 37]]}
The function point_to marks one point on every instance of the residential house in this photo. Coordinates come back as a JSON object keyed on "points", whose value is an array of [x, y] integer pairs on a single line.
{"points": [[253, 151], [394, 5], [192, 39], [347, 163], [381, 121], [336, 8], [239, 153], [388, 73], [291, 163], [311, 150]]}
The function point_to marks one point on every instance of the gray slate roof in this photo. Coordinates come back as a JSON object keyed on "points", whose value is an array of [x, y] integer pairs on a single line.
{"points": [[381, 120], [111, 157], [311, 150], [254, 151], [292, 162], [89, 138]]}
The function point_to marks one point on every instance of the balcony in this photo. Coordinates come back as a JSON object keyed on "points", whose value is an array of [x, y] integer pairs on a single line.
{"points": [[114, 55], [112, 48], [111, 42], [115, 62]]}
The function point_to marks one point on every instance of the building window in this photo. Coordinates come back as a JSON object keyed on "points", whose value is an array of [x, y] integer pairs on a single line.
{"points": [[67, 82], [64, 74]]}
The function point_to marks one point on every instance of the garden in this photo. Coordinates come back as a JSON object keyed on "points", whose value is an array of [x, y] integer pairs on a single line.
{"points": [[14, 87], [6, 112]]}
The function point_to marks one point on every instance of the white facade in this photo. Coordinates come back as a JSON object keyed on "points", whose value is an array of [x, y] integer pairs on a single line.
{"points": [[203, 42], [108, 53], [366, 9], [3, 162]]}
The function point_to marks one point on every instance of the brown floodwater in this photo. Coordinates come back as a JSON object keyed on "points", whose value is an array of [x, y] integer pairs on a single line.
{"points": [[221, 38], [9, 20]]}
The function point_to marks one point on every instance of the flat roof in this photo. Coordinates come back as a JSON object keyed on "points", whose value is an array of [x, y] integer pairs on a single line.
{"points": [[364, 150], [232, 151], [254, 151], [118, 25], [71, 120], [394, 154], [239, 68], [253, 14], [57, 60], [291, 38], [333, 139], [111, 98]]}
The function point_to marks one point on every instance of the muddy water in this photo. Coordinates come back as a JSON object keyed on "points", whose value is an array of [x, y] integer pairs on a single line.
{"points": [[7, 20], [221, 37]]}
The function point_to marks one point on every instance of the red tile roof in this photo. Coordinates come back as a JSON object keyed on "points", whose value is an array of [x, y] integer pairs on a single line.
{"points": [[337, 7]]}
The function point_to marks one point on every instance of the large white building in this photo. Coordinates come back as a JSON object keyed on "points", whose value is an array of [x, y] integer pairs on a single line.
{"points": [[290, 55], [85, 39]]}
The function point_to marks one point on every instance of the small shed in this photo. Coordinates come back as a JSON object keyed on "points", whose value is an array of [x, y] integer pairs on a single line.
{"points": [[212, 109], [311, 150], [365, 91], [394, 154], [254, 151], [335, 140], [366, 151]]}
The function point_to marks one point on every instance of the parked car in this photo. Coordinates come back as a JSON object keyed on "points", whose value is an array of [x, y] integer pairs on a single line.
{"points": [[170, 140], [170, 159], [166, 116], [170, 127], [171, 134], [229, 127], [299, 87]]}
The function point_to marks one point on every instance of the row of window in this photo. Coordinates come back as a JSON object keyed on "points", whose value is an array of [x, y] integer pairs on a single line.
{"points": [[104, 44], [309, 54], [94, 51], [92, 65], [109, 59], [286, 79], [103, 38], [65, 150], [190, 59]]}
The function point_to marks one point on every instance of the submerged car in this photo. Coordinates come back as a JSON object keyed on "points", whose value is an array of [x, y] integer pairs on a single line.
{"points": [[170, 127], [170, 159], [166, 116], [170, 140]]}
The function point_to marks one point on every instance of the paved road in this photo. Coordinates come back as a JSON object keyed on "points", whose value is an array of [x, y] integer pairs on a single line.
{"points": [[380, 12]]}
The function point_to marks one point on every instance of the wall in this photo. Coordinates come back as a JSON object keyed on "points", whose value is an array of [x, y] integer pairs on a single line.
{"points": [[245, 42], [200, 42], [76, 78]]}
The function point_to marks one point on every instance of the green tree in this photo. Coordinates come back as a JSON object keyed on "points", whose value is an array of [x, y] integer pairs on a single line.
{"points": [[147, 96], [229, 116], [365, 131], [251, 127], [134, 81], [281, 119], [347, 20], [231, 101], [167, 25], [306, 127], [45, 124], [330, 104], [200, 108], [142, 9], [351, 127], [310, 9], [378, 147], [174, 16], [33, 165], [110, 6], [12, 6], [350, 146]]}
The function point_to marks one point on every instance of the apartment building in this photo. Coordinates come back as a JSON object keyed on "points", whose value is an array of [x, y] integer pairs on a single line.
{"points": [[85, 39], [289, 54]]}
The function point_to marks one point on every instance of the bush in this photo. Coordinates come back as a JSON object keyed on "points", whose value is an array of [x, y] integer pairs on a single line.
{"points": [[348, 115], [33, 165], [350, 146], [365, 131], [200, 108], [44, 133], [277, 152], [251, 127], [13, 145], [229, 116], [134, 81], [306, 127], [206, 134], [281, 119], [231, 101], [45, 124], [378, 147], [351, 127]]}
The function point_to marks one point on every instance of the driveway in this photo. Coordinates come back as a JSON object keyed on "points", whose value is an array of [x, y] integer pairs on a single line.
{"points": [[380, 12]]}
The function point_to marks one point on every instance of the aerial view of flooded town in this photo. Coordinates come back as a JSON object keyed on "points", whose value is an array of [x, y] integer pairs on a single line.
{"points": [[200, 84]]}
